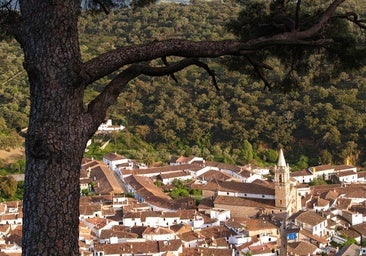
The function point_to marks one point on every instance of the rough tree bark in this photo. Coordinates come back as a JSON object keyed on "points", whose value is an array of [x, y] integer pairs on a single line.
{"points": [[60, 125], [57, 133]]}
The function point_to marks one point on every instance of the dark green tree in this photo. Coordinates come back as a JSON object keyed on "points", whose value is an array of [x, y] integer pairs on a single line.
{"points": [[325, 157], [8, 187], [247, 152], [60, 124]]}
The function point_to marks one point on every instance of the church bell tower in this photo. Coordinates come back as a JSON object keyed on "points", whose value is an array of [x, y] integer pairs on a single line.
{"points": [[282, 183]]}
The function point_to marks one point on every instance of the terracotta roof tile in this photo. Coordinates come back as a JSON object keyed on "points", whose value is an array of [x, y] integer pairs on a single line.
{"points": [[108, 233], [360, 228], [258, 224], [89, 209], [346, 173], [188, 236], [4, 228], [322, 202], [310, 217], [106, 181], [344, 167], [301, 248], [343, 203], [157, 231], [147, 247], [113, 157], [322, 167], [172, 175], [304, 172], [164, 169], [213, 175], [230, 200], [216, 232], [256, 187]]}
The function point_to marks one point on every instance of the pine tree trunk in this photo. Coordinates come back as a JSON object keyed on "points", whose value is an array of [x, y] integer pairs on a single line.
{"points": [[57, 131]]}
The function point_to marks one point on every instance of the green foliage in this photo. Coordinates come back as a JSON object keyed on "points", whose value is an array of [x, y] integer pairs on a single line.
{"points": [[179, 192], [19, 192], [195, 192], [8, 187], [129, 194], [318, 181], [85, 192], [158, 183], [271, 155], [196, 119], [17, 167], [303, 162], [181, 189], [290, 63], [178, 184], [247, 152], [363, 243], [324, 120], [325, 157], [349, 242]]}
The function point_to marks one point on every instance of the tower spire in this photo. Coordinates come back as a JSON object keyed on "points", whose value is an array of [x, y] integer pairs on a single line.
{"points": [[281, 159]]}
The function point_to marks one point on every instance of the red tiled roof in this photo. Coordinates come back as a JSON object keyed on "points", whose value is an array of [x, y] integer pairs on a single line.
{"points": [[361, 174], [346, 173], [147, 247], [212, 175], [310, 217], [258, 224], [113, 157], [230, 200], [256, 187], [320, 168], [164, 169], [344, 167], [216, 232], [301, 248], [304, 172], [319, 239], [106, 182]]}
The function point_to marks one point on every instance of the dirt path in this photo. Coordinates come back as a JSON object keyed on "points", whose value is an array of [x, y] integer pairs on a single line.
{"points": [[12, 155]]}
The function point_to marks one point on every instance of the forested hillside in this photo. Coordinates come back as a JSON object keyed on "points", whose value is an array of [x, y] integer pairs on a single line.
{"points": [[322, 121]]}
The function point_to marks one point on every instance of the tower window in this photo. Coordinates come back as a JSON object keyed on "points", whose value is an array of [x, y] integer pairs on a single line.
{"points": [[280, 178]]}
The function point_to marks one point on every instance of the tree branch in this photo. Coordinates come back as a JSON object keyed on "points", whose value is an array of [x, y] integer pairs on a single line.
{"points": [[352, 17], [165, 61], [111, 61], [170, 69], [98, 107], [259, 69], [297, 14]]}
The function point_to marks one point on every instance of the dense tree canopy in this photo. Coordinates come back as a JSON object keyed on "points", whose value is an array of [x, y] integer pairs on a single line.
{"points": [[165, 115], [61, 119]]}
